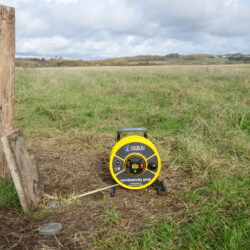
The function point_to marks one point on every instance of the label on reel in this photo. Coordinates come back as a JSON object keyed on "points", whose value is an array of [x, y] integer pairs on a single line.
{"points": [[135, 148], [135, 181]]}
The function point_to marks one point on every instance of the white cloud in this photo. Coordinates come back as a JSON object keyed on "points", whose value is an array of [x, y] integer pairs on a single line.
{"points": [[62, 1], [40, 45], [87, 28], [33, 28]]}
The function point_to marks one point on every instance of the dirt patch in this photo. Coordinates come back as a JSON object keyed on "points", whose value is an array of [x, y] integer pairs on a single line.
{"points": [[76, 165]]}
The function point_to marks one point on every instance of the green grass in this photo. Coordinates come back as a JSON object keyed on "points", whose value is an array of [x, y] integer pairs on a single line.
{"points": [[40, 214], [221, 222], [8, 195], [216, 217], [100, 101], [200, 118], [111, 216]]}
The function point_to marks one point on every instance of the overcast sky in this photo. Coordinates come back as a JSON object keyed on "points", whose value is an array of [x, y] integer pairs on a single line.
{"points": [[88, 29]]}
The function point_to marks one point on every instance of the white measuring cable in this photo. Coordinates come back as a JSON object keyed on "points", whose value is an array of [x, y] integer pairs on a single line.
{"points": [[94, 191]]}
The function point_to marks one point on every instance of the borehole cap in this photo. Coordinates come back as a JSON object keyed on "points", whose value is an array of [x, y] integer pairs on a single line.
{"points": [[54, 204], [50, 228]]}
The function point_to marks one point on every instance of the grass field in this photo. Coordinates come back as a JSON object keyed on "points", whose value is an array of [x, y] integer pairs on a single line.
{"points": [[199, 118]]}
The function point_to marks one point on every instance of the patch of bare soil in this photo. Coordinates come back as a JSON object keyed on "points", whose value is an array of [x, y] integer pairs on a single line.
{"points": [[77, 165]]}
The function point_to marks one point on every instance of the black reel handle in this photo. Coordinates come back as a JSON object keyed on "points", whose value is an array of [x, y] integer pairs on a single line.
{"points": [[123, 130]]}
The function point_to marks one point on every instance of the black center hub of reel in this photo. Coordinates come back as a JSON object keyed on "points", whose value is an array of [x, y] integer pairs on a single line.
{"points": [[135, 165]]}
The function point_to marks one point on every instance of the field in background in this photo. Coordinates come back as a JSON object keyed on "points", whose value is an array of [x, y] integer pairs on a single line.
{"points": [[170, 59], [198, 116]]}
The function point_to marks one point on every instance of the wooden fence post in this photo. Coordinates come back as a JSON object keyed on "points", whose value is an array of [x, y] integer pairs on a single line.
{"points": [[7, 78]]}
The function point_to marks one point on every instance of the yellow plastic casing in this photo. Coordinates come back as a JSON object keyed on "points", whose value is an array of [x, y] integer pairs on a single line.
{"points": [[134, 139]]}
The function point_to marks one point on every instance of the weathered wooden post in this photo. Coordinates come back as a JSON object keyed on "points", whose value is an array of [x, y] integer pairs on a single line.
{"points": [[7, 78], [15, 161]]}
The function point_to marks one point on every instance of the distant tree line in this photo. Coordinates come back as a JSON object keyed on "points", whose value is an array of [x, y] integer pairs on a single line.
{"points": [[173, 58], [239, 58]]}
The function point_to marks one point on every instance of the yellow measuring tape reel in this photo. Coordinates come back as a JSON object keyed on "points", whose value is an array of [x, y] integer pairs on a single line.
{"points": [[134, 161]]}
